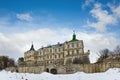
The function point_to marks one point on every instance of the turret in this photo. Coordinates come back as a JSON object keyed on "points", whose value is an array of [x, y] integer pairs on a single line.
{"points": [[32, 47]]}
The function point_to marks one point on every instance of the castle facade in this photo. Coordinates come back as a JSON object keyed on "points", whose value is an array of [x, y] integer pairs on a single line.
{"points": [[69, 52]]}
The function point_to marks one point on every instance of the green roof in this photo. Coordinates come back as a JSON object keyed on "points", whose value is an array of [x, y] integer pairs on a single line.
{"points": [[73, 38]]}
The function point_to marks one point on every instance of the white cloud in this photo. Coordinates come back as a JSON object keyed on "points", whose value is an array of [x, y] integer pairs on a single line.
{"points": [[16, 44], [87, 3], [8, 48], [96, 42], [26, 17], [116, 11], [103, 15], [103, 18]]}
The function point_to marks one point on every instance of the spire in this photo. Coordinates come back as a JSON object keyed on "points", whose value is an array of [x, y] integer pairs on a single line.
{"points": [[32, 47]]}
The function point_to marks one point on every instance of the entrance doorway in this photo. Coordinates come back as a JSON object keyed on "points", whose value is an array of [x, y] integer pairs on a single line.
{"points": [[47, 70], [53, 71]]}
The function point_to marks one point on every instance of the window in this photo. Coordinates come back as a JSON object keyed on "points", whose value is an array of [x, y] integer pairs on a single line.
{"points": [[55, 50], [77, 45], [72, 52], [77, 51], [72, 45], [55, 56], [68, 46], [68, 53], [59, 50], [50, 50]]}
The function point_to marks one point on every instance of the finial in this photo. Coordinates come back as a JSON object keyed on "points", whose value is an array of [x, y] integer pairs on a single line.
{"points": [[73, 31]]}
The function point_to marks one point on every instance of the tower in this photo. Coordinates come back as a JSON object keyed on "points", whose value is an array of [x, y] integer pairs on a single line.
{"points": [[30, 56]]}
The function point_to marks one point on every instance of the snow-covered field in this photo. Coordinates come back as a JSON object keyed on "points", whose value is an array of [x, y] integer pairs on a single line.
{"points": [[111, 74]]}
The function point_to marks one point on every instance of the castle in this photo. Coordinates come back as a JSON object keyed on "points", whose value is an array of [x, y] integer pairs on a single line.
{"points": [[69, 52]]}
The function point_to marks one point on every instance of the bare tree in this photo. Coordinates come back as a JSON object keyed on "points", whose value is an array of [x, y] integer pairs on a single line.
{"points": [[75, 61], [6, 62], [107, 53], [78, 61], [117, 50], [86, 60], [103, 54], [4, 59], [11, 62]]}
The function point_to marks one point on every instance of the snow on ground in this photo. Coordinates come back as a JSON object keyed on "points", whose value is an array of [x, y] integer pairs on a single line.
{"points": [[111, 74]]}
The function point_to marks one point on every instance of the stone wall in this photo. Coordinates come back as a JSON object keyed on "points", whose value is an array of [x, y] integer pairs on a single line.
{"points": [[37, 69], [87, 68], [12, 69], [101, 67]]}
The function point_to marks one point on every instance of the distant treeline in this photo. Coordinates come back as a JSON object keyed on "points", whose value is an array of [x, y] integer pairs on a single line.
{"points": [[105, 53], [5, 61]]}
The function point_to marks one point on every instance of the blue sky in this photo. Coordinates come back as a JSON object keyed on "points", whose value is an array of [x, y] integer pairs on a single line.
{"points": [[50, 21], [66, 12]]}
